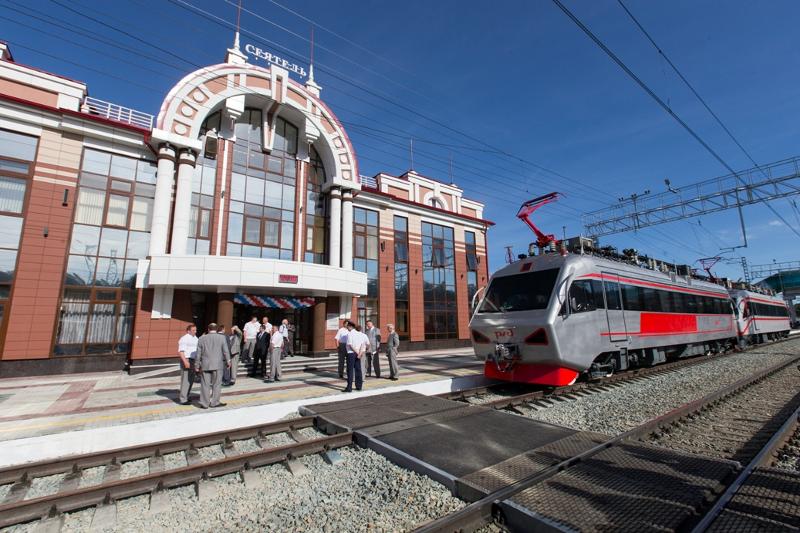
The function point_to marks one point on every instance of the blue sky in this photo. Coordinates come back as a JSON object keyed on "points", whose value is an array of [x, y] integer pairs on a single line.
{"points": [[514, 75]]}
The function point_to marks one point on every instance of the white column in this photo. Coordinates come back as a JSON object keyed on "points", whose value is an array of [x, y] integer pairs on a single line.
{"points": [[335, 235], [161, 206], [347, 229], [183, 202]]}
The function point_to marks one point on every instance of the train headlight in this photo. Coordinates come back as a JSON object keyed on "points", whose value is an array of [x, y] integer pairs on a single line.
{"points": [[479, 337], [537, 338]]}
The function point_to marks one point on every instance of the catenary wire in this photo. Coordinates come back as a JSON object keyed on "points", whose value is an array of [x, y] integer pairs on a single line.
{"points": [[663, 105]]}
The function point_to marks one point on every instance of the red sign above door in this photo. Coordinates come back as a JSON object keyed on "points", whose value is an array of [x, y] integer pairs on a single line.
{"points": [[287, 278]]}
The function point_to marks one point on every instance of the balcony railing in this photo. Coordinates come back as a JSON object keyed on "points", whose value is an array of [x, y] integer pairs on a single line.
{"points": [[368, 181], [117, 113]]}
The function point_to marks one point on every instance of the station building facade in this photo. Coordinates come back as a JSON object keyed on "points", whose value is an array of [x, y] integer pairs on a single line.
{"points": [[241, 197]]}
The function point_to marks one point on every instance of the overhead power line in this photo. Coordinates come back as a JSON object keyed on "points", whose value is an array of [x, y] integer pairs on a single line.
{"points": [[661, 103]]}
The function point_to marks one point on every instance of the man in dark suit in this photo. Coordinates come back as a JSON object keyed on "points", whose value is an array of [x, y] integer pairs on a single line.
{"points": [[260, 353]]}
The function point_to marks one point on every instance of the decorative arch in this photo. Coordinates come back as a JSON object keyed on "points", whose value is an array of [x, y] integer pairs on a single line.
{"points": [[431, 195], [206, 90]]}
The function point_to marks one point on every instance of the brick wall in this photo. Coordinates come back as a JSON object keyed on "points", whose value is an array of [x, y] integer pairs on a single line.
{"points": [[462, 296], [415, 304], [158, 337], [386, 298], [33, 313]]}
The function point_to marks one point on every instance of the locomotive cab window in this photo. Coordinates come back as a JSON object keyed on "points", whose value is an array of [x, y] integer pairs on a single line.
{"points": [[585, 295], [520, 292]]}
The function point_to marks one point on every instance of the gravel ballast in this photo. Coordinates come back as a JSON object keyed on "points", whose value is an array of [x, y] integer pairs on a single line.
{"points": [[364, 492], [619, 409]]}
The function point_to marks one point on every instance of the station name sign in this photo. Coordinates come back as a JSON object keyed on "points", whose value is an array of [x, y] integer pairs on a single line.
{"points": [[287, 278], [275, 60]]}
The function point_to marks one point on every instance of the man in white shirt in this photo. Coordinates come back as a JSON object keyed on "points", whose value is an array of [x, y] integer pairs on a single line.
{"points": [[341, 346], [187, 351], [265, 321], [284, 331], [357, 344], [251, 330], [275, 354]]}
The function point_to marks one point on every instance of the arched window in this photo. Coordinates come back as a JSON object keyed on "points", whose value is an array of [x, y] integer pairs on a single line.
{"points": [[263, 188], [316, 212]]}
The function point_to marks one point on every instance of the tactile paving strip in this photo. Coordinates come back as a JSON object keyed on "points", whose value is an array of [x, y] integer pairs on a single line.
{"points": [[769, 500], [493, 478], [632, 487]]}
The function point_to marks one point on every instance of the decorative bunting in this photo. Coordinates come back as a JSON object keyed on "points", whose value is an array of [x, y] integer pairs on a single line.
{"points": [[273, 302]]}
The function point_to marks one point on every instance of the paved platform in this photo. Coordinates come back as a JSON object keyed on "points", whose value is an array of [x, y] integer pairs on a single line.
{"points": [[51, 416]]}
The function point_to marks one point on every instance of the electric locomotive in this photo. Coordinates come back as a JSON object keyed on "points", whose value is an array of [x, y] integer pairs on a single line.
{"points": [[548, 318]]}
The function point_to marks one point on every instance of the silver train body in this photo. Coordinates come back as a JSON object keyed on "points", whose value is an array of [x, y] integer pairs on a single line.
{"points": [[548, 319], [759, 317]]}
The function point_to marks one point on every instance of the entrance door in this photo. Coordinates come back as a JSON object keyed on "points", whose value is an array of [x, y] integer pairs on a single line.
{"points": [[617, 330], [300, 318]]}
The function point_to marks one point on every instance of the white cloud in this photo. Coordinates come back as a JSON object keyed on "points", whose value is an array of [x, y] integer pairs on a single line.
{"points": [[774, 223]]}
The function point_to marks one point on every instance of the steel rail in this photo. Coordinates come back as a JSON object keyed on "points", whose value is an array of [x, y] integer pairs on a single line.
{"points": [[52, 505], [775, 443], [75, 463], [511, 401], [481, 512]]}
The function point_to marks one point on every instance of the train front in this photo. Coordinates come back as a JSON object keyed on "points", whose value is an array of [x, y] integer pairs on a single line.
{"points": [[513, 327]]}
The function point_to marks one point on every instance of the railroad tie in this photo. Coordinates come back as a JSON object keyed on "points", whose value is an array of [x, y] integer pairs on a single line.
{"points": [[18, 490], [228, 448], [156, 463], [105, 517], [112, 471], [50, 524], [159, 501]]}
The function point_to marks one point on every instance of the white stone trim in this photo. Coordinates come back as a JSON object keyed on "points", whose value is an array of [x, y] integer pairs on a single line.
{"points": [[246, 273]]}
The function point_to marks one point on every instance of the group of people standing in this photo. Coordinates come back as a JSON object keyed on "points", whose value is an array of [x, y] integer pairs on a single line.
{"points": [[359, 352], [215, 356], [267, 344]]}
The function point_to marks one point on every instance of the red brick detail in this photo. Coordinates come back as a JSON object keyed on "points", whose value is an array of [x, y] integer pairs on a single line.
{"points": [[41, 263], [158, 337], [416, 314], [386, 301], [332, 306], [462, 299]]}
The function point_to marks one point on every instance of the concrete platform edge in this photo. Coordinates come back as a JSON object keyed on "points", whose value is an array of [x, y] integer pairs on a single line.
{"points": [[59, 445]]}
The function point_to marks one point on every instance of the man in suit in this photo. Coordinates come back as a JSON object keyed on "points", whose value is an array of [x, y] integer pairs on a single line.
{"points": [[213, 354], [235, 343], [260, 353], [392, 345], [275, 353], [371, 358]]}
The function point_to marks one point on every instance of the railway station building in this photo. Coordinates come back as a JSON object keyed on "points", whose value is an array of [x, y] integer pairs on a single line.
{"points": [[241, 197]]}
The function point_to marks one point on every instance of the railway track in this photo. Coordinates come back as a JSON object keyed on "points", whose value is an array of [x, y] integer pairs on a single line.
{"points": [[203, 457], [774, 414], [546, 397]]}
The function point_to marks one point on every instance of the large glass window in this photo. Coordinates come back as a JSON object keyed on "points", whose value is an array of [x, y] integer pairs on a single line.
{"points": [[401, 277], [204, 182], [471, 250], [520, 292], [17, 152], [316, 214], [365, 259], [262, 207], [439, 282], [111, 233]]}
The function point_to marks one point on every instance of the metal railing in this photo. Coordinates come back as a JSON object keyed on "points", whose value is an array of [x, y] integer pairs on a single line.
{"points": [[368, 181], [117, 113]]}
